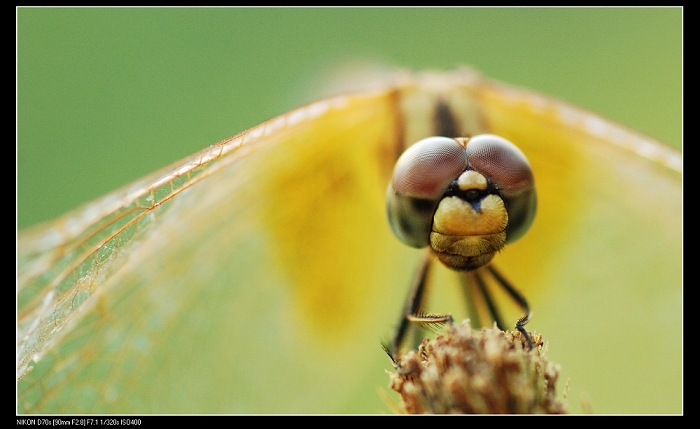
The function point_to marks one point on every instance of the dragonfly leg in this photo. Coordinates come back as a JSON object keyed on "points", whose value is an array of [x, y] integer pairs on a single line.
{"points": [[468, 289], [477, 278], [411, 312], [519, 299]]}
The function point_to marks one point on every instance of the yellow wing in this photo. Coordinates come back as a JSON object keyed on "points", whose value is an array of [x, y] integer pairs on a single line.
{"points": [[259, 275]]}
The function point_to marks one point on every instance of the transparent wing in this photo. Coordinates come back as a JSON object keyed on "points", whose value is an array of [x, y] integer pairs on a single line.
{"points": [[220, 284], [63, 263], [259, 275], [605, 251]]}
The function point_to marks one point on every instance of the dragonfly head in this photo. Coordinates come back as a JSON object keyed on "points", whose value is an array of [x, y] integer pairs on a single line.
{"points": [[465, 198]]}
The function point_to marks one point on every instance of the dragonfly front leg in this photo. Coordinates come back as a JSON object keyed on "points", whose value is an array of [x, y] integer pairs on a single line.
{"points": [[411, 312], [518, 298], [474, 282]]}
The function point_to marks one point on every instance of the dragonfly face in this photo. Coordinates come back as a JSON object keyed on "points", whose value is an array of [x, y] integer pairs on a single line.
{"points": [[259, 274], [465, 197]]}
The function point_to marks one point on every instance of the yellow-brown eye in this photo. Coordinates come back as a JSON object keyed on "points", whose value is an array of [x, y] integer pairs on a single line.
{"points": [[465, 198]]}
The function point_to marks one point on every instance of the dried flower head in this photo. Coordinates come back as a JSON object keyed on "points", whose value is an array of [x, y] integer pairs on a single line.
{"points": [[485, 371]]}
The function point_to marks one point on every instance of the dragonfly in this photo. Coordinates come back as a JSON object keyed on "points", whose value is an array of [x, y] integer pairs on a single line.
{"points": [[259, 275], [464, 198]]}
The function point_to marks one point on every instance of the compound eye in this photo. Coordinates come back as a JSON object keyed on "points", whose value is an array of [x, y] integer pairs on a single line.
{"points": [[426, 169], [421, 176], [501, 161], [508, 169]]}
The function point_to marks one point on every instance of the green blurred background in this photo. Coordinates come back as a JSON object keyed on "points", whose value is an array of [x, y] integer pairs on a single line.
{"points": [[105, 96]]}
